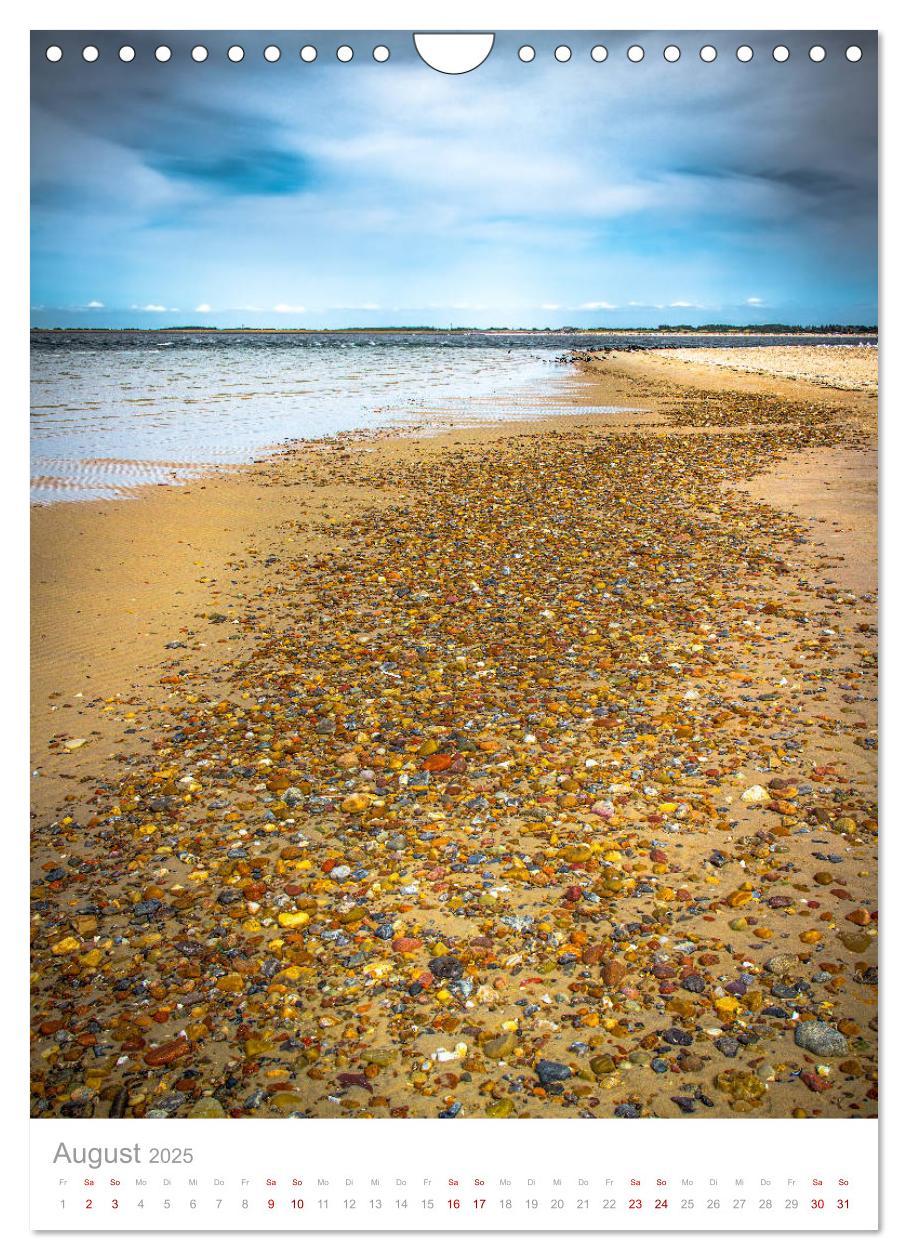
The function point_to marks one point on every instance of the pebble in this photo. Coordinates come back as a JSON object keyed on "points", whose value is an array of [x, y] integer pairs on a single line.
{"points": [[447, 967], [756, 794], [602, 1065], [207, 1109], [549, 1071], [820, 1039], [628, 1111]]}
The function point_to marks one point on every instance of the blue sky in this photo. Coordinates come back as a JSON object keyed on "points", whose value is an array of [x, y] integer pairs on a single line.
{"points": [[540, 194]]}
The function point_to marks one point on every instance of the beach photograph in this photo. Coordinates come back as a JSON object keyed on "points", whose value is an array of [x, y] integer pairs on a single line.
{"points": [[454, 610]]}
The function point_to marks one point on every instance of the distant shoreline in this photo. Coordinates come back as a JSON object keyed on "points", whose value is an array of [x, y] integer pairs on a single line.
{"points": [[664, 330]]}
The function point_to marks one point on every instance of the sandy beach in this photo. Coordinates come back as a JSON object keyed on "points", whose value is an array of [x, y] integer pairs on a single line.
{"points": [[519, 770], [838, 367]]}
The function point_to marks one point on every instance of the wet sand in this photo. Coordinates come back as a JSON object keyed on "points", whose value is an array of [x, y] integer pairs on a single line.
{"points": [[525, 770]]}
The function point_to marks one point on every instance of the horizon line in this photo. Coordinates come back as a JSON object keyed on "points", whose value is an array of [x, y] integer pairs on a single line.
{"points": [[497, 328]]}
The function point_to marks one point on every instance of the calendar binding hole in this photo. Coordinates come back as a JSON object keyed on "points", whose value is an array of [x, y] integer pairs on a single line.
{"points": [[453, 53]]}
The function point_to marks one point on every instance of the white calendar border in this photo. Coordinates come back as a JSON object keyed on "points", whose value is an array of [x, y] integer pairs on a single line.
{"points": [[356, 14]]}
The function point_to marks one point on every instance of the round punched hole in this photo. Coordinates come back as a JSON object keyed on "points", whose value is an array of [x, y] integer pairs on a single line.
{"points": [[708, 53], [672, 53], [635, 53], [90, 53], [272, 53], [381, 53], [853, 53], [199, 53], [562, 53], [345, 53], [308, 53], [745, 53], [599, 53], [780, 53], [235, 53], [526, 53], [54, 53], [817, 53], [162, 53], [126, 53]]}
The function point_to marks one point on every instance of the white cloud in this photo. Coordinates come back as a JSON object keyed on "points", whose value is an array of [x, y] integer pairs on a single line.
{"points": [[203, 308], [283, 309], [453, 202], [151, 306], [691, 305], [94, 305]]}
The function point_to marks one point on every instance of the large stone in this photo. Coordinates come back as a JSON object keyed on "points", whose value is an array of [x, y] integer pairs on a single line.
{"points": [[207, 1109], [548, 1071], [447, 967], [821, 1039]]}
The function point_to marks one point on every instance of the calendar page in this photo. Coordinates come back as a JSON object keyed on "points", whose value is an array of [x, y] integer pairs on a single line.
{"points": [[454, 629]]}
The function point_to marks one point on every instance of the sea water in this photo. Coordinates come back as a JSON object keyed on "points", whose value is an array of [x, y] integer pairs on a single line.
{"points": [[114, 411]]}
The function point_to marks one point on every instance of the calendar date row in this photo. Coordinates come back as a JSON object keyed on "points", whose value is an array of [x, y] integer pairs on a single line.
{"points": [[479, 1204]]}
